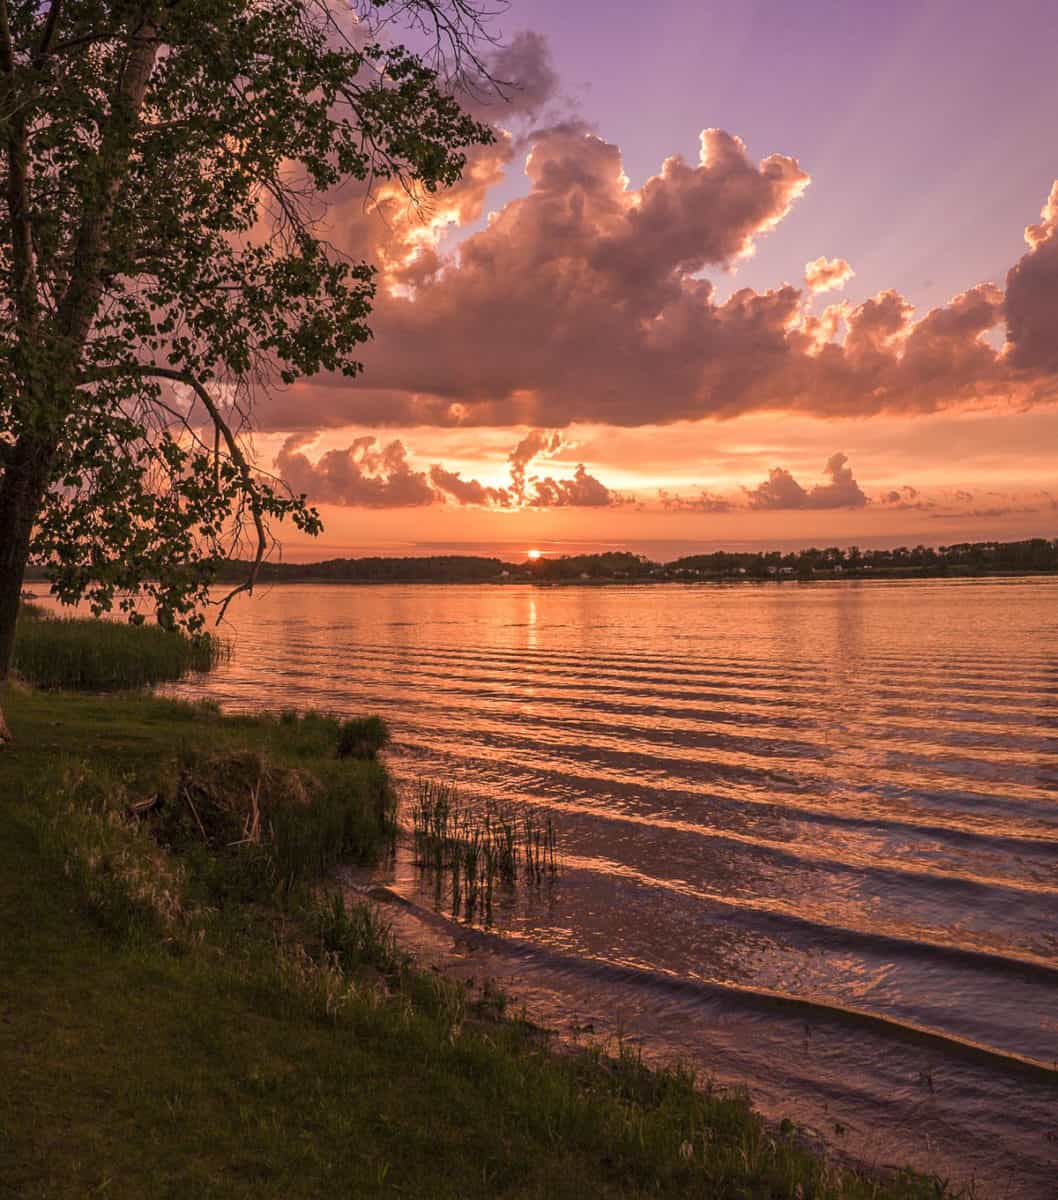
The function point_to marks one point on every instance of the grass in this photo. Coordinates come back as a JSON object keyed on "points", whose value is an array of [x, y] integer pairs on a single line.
{"points": [[166, 1033], [89, 654]]}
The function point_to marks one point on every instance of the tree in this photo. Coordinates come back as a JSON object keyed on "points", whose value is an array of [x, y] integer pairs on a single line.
{"points": [[167, 163]]}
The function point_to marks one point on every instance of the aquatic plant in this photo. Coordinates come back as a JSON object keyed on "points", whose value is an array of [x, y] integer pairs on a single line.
{"points": [[477, 846]]}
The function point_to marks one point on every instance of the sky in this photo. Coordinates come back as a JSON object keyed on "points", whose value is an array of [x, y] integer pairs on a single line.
{"points": [[731, 274]]}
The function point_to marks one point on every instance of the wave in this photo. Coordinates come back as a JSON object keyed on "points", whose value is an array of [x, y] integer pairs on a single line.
{"points": [[514, 944]]}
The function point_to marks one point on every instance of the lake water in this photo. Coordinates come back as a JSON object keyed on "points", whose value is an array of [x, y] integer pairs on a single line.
{"points": [[809, 833]]}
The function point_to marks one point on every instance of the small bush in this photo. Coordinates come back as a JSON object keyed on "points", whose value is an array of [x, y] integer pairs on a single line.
{"points": [[314, 734], [93, 655], [363, 737]]}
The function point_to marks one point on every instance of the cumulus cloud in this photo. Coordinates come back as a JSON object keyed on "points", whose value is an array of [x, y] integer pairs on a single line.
{"points": [[1031, 306], [543, 491], [584, 301], [469, 491], [400, 230], [360, 475], [782, 491], [535, 443], [367, 476], [905, 499], [827, 274], [581, 298], [524, 80], [582, 491]]}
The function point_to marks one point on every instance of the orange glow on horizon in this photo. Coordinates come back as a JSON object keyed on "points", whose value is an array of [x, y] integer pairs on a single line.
{"points": [[533, 555]]}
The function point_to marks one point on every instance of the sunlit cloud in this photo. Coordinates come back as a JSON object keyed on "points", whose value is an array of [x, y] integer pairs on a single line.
{"points": [[827, 274], [367, 474], [579, 350]]}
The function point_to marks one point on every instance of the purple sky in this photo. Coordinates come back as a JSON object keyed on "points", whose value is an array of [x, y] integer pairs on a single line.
{"points": [[930, 129], [930, 133]]}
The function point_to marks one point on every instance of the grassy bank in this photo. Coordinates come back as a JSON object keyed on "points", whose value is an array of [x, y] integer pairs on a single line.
{"points": [[181, 1015], [88, 654]]}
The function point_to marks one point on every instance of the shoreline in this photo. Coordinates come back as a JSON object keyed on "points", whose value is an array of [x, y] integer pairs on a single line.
{"points": [[598, 1161]]}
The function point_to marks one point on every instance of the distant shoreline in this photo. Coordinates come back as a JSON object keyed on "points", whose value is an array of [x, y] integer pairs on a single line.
{"points": [[861, 577], [965, 560]]}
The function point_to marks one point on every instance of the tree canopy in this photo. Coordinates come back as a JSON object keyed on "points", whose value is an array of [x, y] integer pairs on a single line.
{"points": [[167, 165]]}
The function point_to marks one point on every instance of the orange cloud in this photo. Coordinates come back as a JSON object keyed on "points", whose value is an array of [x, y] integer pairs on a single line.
{"points": [[363, 476], [583, 301], [827, 274], [781, 491], [358, 476], [1031, 306]]}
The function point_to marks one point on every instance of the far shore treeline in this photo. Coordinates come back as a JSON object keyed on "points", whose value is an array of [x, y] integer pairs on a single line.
{"points": [[1034, 555]]}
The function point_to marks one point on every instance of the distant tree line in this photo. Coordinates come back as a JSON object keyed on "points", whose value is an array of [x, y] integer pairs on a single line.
{"points": [[963, 558], [442, 568], [1033, 554]]}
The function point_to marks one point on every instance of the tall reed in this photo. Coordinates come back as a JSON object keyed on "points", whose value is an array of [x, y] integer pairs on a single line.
{"points": [[477, 846]]}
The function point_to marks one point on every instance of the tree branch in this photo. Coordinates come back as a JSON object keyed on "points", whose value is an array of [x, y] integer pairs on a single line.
{"points": [[23, 264], [48, 33], [223, 430], [7, 49], [78, 304]]}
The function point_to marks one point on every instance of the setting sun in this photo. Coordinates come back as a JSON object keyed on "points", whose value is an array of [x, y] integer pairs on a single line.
{"points": [[534, 555]]}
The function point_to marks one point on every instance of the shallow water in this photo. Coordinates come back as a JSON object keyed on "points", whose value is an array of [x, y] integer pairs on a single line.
{"points": [[809, 832]]}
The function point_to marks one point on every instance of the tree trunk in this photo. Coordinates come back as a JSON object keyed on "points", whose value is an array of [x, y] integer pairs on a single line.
{"points": [[27, 465], [22, 489]]}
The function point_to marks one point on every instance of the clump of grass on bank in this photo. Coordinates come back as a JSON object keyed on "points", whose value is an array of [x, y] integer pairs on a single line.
{"points": [[477, 846], [287, 1048], [94, 655], [362, 737], [271, 828]]}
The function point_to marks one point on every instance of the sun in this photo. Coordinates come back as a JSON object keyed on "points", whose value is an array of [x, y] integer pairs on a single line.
{"points": [[534, 555]]}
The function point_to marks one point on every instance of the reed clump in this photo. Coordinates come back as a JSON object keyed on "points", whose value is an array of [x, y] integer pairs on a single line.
{"points": [[479, 846], [88, 654]]}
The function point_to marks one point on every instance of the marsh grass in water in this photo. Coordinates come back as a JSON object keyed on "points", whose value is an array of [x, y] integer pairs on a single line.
{"points": [[87, 654], [475, 847]]}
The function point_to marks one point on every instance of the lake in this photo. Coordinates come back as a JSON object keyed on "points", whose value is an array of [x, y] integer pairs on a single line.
{"points": [[808, 833]]}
